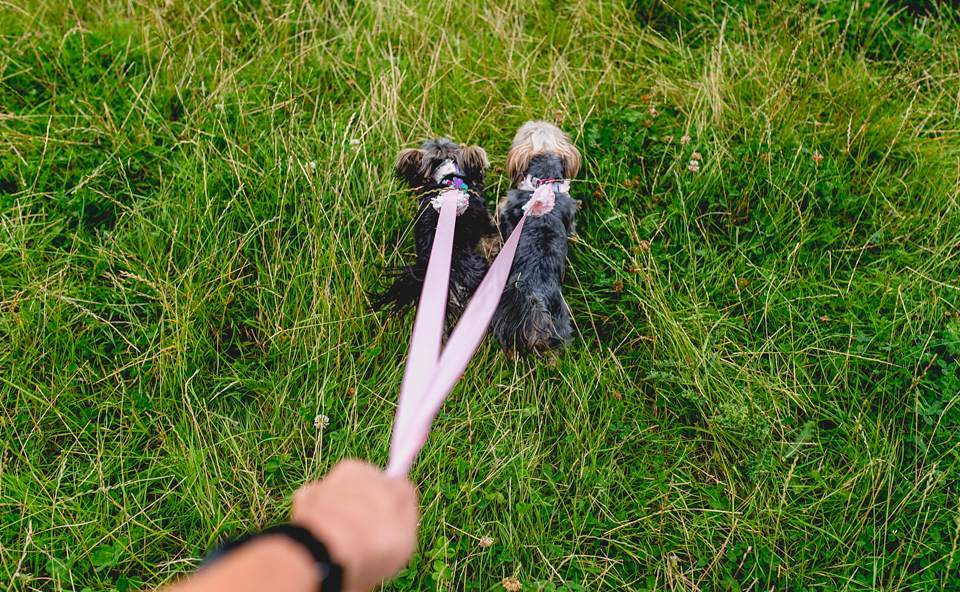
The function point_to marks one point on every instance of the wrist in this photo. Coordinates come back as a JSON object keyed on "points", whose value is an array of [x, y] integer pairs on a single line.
{"points": [[327, 570], [289, 549], [338, 546], [278, 553], [270, 562]]}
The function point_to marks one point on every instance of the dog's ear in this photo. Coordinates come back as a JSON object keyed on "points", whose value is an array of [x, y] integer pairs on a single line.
{"points": [[408, 165], [473, 162], [570, 157], [518, 160]]}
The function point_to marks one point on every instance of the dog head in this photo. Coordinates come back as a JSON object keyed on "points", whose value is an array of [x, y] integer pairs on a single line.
{"points": [[440, 160], [536, 138]]}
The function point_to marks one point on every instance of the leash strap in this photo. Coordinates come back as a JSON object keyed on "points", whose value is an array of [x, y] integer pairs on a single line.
{"points": [[430, 374]]}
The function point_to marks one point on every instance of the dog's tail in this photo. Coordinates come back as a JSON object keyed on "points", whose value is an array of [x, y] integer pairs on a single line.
{"points": [[531, 322], [403, 292]]}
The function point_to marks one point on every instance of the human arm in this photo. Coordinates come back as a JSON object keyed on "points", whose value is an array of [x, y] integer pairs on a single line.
{"points": [[367, 522]]}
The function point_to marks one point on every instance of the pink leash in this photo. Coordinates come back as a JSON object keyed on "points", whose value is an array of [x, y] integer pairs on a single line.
{"points": [[430, 374]]}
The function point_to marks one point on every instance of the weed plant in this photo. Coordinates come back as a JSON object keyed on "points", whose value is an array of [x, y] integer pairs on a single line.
{"points": [[764, 388]]}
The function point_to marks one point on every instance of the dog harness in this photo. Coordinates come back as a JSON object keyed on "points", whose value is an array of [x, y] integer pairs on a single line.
{"points": [[544, 193]]}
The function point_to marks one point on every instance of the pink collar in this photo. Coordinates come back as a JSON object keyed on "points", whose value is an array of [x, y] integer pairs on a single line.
{"points": [[532, 183]]}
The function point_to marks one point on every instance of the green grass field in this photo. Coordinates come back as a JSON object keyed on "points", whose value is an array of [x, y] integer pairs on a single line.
{"points": [[764, 388]]}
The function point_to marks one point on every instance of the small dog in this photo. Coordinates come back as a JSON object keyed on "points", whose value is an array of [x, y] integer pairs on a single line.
{"points": [[437, 166], [532, 315]]}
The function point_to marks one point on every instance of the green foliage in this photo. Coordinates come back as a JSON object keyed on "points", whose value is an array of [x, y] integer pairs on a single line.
{"points": [[764, 389]]}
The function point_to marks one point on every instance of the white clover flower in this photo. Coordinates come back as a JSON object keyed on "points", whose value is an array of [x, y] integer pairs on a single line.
{"points": [[694, 165], [321, 422], [685, 139]]}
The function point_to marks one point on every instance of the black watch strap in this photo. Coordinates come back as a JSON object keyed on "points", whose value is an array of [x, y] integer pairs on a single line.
{"points": [[331, 574]]}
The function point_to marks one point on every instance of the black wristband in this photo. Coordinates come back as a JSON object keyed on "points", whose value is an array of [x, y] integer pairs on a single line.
{"points": [[331, 574]]}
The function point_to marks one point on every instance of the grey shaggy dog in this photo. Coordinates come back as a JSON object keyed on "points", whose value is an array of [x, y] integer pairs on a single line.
{"points": [[428, 172], [532, 315]]}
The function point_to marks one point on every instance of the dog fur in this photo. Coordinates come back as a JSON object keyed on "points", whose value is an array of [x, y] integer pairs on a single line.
{"points": [[532, 315], [419, 169]]}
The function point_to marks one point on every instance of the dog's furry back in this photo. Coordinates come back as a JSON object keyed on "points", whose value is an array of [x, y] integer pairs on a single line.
{"points": [[532, 315]]}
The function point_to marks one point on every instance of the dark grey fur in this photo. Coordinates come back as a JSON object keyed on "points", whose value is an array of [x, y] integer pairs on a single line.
{"points": [[532, 315], [468, 266]]}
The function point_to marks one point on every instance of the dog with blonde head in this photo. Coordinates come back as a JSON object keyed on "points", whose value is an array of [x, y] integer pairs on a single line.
{"points": [[532, 316]]}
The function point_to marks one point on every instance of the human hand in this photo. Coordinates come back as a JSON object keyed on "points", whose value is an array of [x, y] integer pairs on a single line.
{"points": [[367, 521]]}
